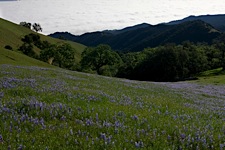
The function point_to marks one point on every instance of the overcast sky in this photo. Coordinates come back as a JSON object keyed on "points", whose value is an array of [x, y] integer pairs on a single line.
{"points": [[80, 16]]}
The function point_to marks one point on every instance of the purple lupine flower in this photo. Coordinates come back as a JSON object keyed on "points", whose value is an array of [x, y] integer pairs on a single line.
{"points": [[87, 138], [43, 126], [103, 136], [109, 139], [60, 106], [168, 137], [117, 124], [20, 147], [1, 95], [63, 118], [1, 139], [36, 121], [89, 122], [135, 117], [106, 124], [219, 136], [41, 106], [182, 136], [42, 121], [139, 144], [79, 132], [23, 118]]}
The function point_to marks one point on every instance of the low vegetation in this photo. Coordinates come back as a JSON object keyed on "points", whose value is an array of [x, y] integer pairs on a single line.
{"points": [[43, 108]]}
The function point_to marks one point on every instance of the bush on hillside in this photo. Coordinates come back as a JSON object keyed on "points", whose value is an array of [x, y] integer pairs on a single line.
{"points": [[8, 47]]}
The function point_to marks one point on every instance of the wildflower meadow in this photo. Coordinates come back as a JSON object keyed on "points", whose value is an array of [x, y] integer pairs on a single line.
{"points": [[48, 109]]}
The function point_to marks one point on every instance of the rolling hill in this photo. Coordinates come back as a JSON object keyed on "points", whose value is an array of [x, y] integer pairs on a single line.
{"points": [[40, 105], [11, 34], [217, 21], [139, 37]]}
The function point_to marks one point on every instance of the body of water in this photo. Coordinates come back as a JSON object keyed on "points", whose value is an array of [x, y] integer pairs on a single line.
{"points": [[80, 16]]}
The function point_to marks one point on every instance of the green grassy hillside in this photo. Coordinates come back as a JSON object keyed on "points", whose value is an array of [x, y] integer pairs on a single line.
{"points": [[15, 58], [45, 108], [215, 76], [11, 34]]}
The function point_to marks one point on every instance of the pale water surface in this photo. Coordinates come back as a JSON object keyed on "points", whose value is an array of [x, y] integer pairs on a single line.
{"points": [[80, 16]]}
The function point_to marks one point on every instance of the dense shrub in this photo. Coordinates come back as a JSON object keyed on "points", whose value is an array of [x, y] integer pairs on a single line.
{"points": [[8, 47]]}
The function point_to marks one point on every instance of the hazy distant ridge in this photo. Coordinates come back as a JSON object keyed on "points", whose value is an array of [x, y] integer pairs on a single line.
{"points": [[138, 37], [217, 21]]}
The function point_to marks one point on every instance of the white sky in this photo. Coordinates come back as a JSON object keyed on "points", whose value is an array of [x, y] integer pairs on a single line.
{"points": [[80, 16]]}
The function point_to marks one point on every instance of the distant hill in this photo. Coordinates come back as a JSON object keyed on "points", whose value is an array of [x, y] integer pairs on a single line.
{"points": [[138, 37], [135, 27], [11, 34], [217, 21]]}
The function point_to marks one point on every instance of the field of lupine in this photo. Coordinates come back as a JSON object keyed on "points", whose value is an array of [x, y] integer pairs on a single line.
{"points": [[48, 109]]}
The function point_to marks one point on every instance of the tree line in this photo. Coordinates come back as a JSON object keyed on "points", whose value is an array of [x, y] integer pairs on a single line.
{"points": [[169, 62], [61, 54], [35, 26]]}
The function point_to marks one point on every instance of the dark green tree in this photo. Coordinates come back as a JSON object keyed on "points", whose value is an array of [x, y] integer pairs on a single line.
{"points": [[27, 49], [45, 44], [26, 24], [64, 56], [197, 59], [32, 39], [61, 55], [37, 27], [219, 43], [29, 41], [97, 57], [48, 54], [130, 62], [161, 64]]}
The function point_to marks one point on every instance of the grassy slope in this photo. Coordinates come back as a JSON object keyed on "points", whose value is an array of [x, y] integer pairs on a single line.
{"points": [[15, 58], [215, 76], [58, 109], [11, 34]]}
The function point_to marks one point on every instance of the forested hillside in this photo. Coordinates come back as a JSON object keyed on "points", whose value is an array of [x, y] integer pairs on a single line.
{"points": [[217, 21], [148, 36]]}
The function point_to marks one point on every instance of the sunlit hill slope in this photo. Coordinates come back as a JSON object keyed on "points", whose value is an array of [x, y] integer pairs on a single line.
{"points": [[11, 34]]}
